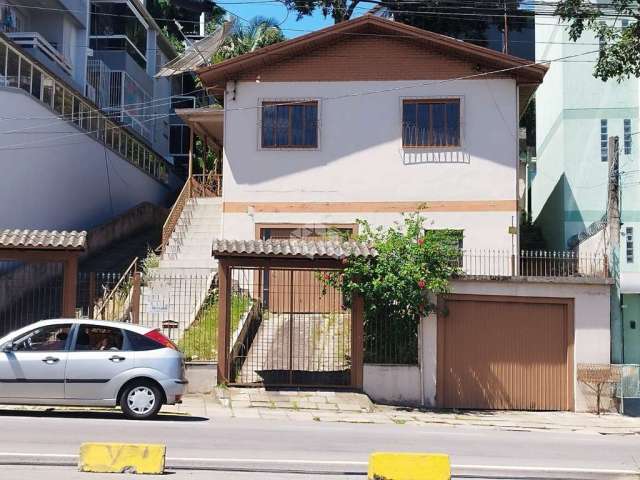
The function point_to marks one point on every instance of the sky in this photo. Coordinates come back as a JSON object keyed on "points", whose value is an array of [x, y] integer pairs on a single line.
{"points": [[276, 10]]}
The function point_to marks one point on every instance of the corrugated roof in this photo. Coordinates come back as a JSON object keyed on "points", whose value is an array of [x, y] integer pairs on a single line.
{"points": [[291, 248], [197, 55], [43, 239]]}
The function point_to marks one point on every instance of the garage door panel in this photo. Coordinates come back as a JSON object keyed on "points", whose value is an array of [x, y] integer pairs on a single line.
{"points": [[504, 355]]}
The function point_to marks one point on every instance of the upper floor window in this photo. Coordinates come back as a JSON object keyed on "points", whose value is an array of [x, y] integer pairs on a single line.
{"points": [[290, 124], [627, 136], [431, 123], [11, 20], [629, 246], [604, 140], [118, 26]]}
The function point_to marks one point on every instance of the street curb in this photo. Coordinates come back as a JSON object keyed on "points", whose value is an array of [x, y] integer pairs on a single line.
{"points": [[352, 468]]}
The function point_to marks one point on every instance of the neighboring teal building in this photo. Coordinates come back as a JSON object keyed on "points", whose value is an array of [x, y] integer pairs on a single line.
{"points": [[575, 115]]}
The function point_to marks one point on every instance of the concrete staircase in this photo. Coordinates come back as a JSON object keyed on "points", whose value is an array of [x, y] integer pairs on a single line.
{"points": [[189, 248], [175, 290]]}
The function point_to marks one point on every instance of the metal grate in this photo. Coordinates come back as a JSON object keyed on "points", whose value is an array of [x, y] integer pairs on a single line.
{"points": [[390, 338], [288, 328], [28, 293]]}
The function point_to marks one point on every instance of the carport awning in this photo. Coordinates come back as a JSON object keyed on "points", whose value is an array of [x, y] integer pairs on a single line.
{"points": [[291, 248], [42, 239]]}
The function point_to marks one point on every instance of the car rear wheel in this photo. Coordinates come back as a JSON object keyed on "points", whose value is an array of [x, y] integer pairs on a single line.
{"points": [[140, 401]]}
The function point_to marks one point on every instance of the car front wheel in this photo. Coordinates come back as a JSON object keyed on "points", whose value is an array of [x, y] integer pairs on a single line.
{"points": [[141, 401]]}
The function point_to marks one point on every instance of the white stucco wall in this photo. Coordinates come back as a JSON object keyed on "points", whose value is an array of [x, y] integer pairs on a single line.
{"points": [[54, 176], [360, 156], [392, 384]]}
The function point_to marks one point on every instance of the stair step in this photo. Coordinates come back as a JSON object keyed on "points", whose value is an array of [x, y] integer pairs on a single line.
{"points": [[200, 264], [205, 201]]}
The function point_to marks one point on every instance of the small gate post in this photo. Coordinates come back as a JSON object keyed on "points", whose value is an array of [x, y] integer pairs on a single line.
{"points": [[357, 342], [224, 320], [69, 286], [135, 299], [92, 294]]}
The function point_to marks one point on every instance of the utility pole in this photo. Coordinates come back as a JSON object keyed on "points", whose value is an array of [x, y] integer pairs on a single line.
{"points": [[613, 225], [613, 197], [505, 37]]}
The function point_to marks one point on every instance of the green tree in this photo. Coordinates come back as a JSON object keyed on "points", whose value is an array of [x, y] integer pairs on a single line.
{"points": [[166, 11], [245, 38], [339, 10], [412, 263], [620, 49]]}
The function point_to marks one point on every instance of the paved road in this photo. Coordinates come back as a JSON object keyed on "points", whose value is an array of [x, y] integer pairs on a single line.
{"points": [[324, 448]]}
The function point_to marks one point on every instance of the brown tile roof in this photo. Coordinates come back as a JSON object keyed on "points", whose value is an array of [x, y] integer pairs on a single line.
{"points": [[291, 248], [43, 239], [229, 69]]}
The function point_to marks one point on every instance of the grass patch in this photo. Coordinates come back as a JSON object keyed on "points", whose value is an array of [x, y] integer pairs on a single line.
{"points": [[200, 340]]}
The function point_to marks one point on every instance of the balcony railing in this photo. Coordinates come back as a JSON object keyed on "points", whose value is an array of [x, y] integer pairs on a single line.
{"points": [[117, 93], [36, 41], [18, 70], [500, 263]]}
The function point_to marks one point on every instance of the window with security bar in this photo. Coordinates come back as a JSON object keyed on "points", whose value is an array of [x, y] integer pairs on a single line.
{"points": [[627, 136], [431, 123], [629, 244], [604, 140], [289, 124]]}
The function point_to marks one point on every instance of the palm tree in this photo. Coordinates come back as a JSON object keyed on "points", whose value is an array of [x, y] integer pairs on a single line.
{"points": [[258, 33]]}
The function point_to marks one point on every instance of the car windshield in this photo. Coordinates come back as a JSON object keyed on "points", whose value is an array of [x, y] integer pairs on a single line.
{"points": [[45, 338]]}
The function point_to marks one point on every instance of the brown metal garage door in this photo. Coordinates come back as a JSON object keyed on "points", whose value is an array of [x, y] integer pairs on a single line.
{"points": [[505, 353]]}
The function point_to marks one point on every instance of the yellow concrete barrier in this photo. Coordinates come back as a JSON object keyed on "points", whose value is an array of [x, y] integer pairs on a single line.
{"points": [[122, 458], [409, 466]]}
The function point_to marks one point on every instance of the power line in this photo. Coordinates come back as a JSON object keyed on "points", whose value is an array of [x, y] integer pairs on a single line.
{"points": [[100, 113], [29, 144], [161, 19], [390, 89]]}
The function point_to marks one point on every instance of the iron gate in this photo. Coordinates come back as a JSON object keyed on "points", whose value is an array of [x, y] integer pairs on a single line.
{"points": [[288, 327]]}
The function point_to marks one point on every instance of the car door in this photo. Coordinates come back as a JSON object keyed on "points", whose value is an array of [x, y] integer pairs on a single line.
{"points": [[96, 362], [34, 369]]}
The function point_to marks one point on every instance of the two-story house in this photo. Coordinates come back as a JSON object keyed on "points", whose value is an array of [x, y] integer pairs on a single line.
{"points": [[371, 118]]}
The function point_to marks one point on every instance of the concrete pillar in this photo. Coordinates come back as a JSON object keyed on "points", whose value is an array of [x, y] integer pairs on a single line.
{"points": [[429, 358]]}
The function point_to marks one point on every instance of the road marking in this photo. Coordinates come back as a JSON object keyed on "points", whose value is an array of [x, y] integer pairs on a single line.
{"points": [[37, 455], [546, 469], [293, 461], [268, 460]]}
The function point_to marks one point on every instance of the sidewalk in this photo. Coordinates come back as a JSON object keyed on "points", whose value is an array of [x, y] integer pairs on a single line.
{"points": [[357, 408]]}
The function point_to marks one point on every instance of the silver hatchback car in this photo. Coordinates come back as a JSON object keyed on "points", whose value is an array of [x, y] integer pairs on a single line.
{"points": [[91, 363]]}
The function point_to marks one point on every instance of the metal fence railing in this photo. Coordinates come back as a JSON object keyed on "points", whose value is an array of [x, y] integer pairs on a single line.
{"points": [[529, 263], [390, 338], [19, 70], [183, 307]]}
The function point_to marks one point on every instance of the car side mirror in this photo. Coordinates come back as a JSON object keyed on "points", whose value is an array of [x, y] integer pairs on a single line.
{"points": [[8, 347]]}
